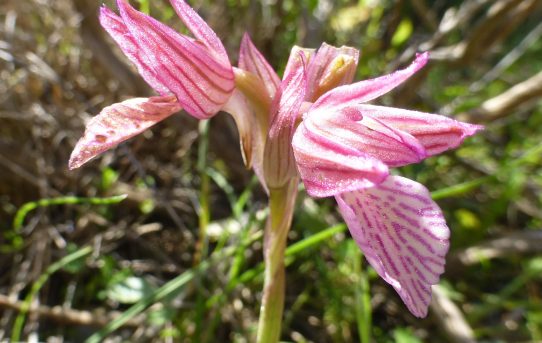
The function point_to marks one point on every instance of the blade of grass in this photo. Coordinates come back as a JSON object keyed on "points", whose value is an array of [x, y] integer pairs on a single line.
{"points": [[468, 186], [214, 303], [460, 188], [68, 200], [492, 302], [223, 183], [167, 289], [294, 249], [38, 284]]}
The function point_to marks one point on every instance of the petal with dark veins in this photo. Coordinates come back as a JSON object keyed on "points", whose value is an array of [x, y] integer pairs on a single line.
{"points": [[201, 82], [402, 233], [252, 60], [366, 90], [118, 122], [435, 132]]}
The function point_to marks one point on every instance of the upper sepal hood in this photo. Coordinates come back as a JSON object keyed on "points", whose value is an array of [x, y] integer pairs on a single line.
{"points": [[197, 72], [201, 31], [339, 125]]}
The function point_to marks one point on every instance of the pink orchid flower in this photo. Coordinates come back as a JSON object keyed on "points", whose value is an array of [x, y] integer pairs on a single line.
{"points": [[314, 125], [343, 147], [193, 74]]}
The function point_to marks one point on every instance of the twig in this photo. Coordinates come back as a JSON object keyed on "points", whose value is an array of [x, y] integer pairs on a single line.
{"points": [[70, 316], [504, 103], [517, 243], [498, 69], [21, 172], [425, 14], [93, 37], [449, 317], [452, 19], [509, 59], [501, 19]]}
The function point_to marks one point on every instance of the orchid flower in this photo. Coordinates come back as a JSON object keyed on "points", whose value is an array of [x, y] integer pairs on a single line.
{"points": [[193, 74], [323, 130], [314, 125], [345, 148]]}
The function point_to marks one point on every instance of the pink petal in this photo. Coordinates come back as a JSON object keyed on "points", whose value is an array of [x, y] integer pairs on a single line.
{"points": [[118, 122], [279, 163], [358, 131], [201, 83], [328, 167], [114, 25], [296, 53], [201, 30], [435, 132], [403, 234], [250, 59], [367, 90], [329, 68]]}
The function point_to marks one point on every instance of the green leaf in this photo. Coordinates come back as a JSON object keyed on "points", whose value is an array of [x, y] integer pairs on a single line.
{"points": [[403, 32], [403, 335], [130, 290]]}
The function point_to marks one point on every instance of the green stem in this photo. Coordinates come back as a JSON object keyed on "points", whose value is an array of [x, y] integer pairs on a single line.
{"points": [[363, 300], [281, 210], [204, 209], [204, 215]]}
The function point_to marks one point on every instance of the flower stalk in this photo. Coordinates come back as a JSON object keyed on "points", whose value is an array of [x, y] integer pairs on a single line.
{"points": [[281, 210]]}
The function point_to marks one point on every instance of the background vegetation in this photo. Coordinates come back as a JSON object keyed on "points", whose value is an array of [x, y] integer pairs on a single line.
{"points": [[179, 258]]}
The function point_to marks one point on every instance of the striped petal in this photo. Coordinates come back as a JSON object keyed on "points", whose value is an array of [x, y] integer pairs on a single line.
{"points": [[116, 28], [331, 67], [250, 59], [367, 90], [201, 30], [201, 83], [403, 235], [118, 122], [328, 167], [353, 128], [435, 132], [278, 162], [298, 54]]}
